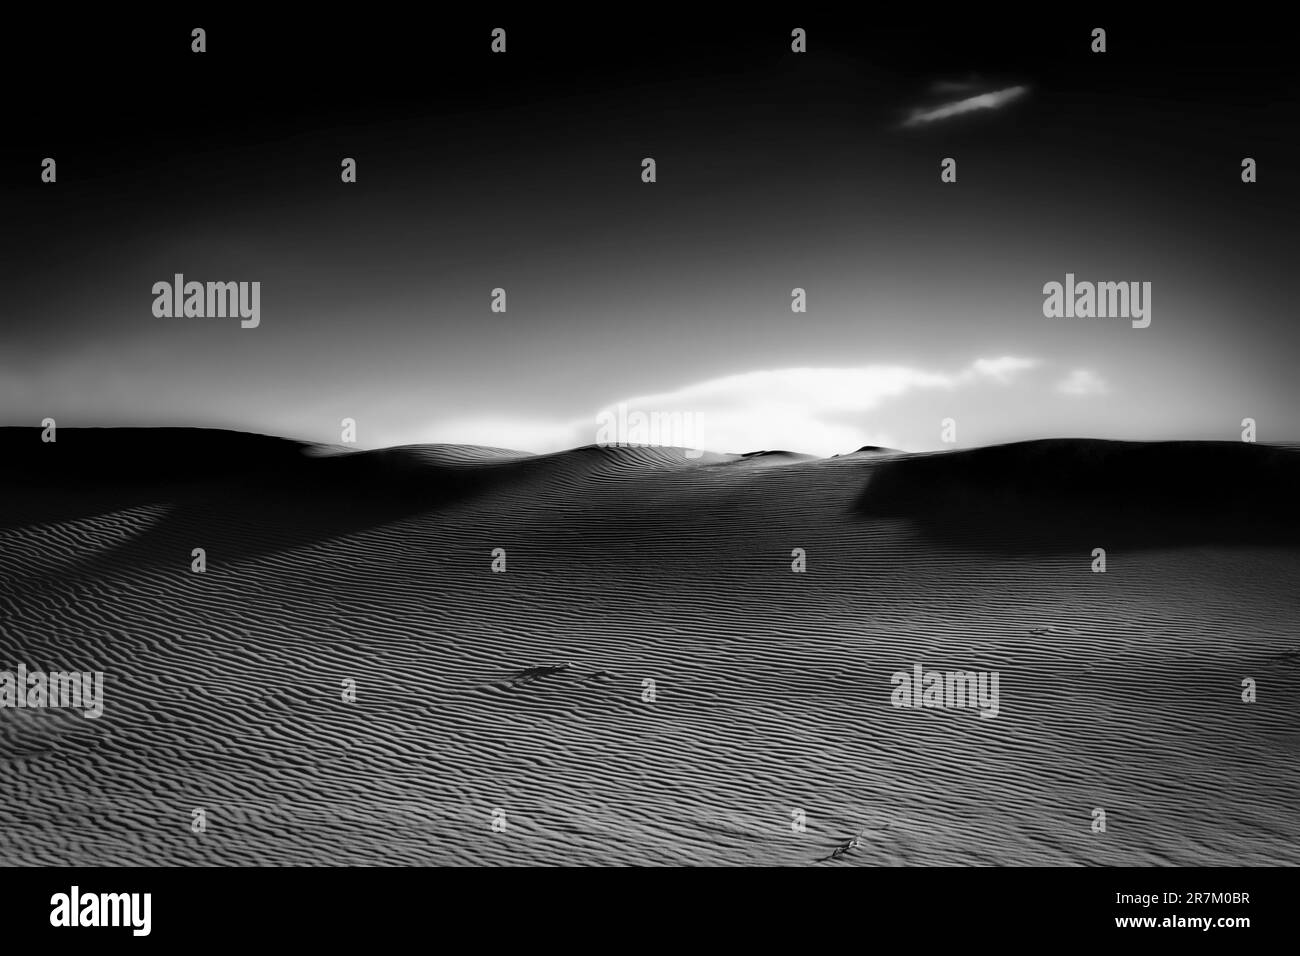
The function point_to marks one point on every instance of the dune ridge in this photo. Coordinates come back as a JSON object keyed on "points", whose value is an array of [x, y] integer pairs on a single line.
{"points": [[523, 691]]}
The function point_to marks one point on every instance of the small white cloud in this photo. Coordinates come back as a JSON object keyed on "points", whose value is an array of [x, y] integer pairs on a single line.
{"points": [[1002, 369], [984, 101], [1083, 381]]}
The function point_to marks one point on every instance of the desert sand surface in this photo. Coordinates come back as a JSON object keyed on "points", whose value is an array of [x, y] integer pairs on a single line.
{"points": [[523, 691]]}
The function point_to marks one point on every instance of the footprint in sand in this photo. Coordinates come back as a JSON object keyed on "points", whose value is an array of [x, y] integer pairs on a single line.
{"points": [[847, 846], [535, 673], [1046, 629]]}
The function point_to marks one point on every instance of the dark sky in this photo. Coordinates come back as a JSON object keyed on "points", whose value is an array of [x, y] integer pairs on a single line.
{"points": [[775, 171]]}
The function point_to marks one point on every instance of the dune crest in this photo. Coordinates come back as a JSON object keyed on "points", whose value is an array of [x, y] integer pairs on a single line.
{"points": [[643, 658]]}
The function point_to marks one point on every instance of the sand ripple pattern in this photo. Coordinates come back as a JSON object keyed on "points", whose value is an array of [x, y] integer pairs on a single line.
{"points": [[523, 691]]}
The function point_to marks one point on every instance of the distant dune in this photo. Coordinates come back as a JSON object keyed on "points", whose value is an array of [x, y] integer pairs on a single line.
{"points": [[527, 691], [1054, 492]]}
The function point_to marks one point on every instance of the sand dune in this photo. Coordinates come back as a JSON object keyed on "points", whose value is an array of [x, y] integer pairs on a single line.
{"points": [[523, 691]]}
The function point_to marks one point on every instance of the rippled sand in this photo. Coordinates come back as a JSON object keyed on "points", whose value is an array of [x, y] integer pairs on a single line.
{"points": [[523, 691]]}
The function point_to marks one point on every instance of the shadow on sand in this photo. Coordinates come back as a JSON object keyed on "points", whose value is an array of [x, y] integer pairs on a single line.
{"points": [[1069, 494], [231, 493]]}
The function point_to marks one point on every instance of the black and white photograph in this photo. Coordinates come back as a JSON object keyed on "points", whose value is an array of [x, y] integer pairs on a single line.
{"points": [[765, 440]]}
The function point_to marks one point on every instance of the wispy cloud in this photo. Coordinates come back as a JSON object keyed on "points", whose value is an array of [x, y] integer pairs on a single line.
{"points": [[984, 101], [1082, 382], [1002, 369], [819, 410]]}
